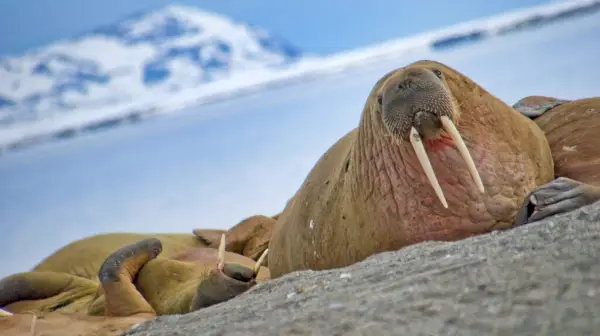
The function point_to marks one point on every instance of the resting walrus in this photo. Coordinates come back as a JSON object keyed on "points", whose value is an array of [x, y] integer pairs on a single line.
{"points": [[83, 257], [368, 193], [187, 281], [572, 130]]}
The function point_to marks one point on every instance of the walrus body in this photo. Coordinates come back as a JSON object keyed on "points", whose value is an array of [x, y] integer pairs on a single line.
{"points": [[572, 129], [368, 193]]}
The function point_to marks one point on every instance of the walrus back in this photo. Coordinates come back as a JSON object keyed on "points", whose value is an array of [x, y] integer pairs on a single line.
{"points": [[572, 132]]}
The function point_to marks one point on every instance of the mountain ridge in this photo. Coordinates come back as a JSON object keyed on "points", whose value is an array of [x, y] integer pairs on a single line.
{"points": [[157, 51]]}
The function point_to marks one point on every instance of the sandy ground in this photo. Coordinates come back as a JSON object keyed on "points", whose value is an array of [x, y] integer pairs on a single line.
{"points": [[541, 279]]}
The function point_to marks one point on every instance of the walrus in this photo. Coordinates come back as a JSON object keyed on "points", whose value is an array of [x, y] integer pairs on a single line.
{"points": [[434, 157], [187, 281], [571, 128], [83, 257]]}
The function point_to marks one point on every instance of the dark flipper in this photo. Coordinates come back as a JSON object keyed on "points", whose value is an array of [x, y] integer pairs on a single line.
{"points": [[58, 290], [535, 106], [556, 197], [117, 273]]}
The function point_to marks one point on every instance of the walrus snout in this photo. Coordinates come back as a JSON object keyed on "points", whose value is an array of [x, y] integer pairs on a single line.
{"points": [[415, 98]]}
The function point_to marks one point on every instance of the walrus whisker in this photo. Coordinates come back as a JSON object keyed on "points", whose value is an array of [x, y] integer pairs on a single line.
{"points": [[221, 254], [5, 313], [415, 140], [464, 152], [260, 260]]}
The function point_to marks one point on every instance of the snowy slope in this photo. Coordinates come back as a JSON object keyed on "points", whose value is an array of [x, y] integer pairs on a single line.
{"points": [[157, 52], [179, 57]]}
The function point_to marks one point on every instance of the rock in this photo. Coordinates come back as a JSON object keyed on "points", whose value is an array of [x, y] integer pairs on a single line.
{"points": [[542, 278]]}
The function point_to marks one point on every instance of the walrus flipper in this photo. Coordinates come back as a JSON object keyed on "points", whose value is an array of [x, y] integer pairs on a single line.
{"points": [[558, 196], [57, 290], [535, 106], [117, 273]]}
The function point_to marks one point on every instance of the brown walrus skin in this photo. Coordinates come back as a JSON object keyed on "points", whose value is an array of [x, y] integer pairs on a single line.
{"points": [[368, 193], [573, 132], [185, 282]]}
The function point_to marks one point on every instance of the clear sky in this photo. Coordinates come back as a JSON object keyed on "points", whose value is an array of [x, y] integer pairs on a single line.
{"points": [[318, 26]]}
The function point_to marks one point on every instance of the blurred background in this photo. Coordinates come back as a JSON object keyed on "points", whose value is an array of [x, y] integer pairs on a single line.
{"points": [[155, 116]]}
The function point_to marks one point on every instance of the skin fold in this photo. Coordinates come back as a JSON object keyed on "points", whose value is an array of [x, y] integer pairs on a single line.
{"points": [[135, 280], [369, 192], [571, 128]]}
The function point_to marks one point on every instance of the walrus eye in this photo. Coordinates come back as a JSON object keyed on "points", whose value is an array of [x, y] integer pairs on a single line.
{"points": [[379, 99], [438, 73]]}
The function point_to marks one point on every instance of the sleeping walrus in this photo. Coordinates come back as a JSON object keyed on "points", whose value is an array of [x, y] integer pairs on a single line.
{"points": [[83, 257], [572, 128], [187, 281], [434, 157]]}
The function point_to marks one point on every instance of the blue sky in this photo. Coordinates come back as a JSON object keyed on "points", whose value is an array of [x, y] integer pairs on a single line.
{"points": [[319, 26]]}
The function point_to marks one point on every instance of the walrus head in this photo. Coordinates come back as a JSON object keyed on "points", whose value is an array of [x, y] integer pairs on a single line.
{"points": [[416, 104]]}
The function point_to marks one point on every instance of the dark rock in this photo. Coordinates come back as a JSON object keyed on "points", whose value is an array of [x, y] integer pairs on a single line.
{"points": [[542, 278]]}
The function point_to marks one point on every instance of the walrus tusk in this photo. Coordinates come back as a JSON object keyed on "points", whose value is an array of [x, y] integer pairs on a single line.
{"points": [[260, 260], [221, 254], [5, 313], [464, 152], [415, 140]]}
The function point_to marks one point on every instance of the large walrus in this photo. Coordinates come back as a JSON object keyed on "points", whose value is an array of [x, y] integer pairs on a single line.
{"points": [[572, 128], [434, 157], [187, 281]]}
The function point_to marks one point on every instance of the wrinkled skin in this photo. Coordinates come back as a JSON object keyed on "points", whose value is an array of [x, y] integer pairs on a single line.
{"points": [[250, 237], [571, 128], [368, 193], [185, 282]]}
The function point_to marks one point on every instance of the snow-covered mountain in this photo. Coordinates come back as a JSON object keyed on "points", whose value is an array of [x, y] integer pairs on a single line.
{"points": [[178, 57], [156, 52]]}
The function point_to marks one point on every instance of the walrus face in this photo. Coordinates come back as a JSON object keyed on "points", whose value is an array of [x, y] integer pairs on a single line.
{"points": [[415, 97], [415, 103], [226, 280]]}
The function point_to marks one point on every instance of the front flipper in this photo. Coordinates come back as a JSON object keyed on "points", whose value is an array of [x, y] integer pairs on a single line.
{"points": [[535, 106], [559, 196], [41, 292], [225, 281], [117, 273]]}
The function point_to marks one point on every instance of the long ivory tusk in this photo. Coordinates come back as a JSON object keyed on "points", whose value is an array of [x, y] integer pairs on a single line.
{"points": [[221, 253], [415, 140], [464, 152], [5, 313], [260, 260]]}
